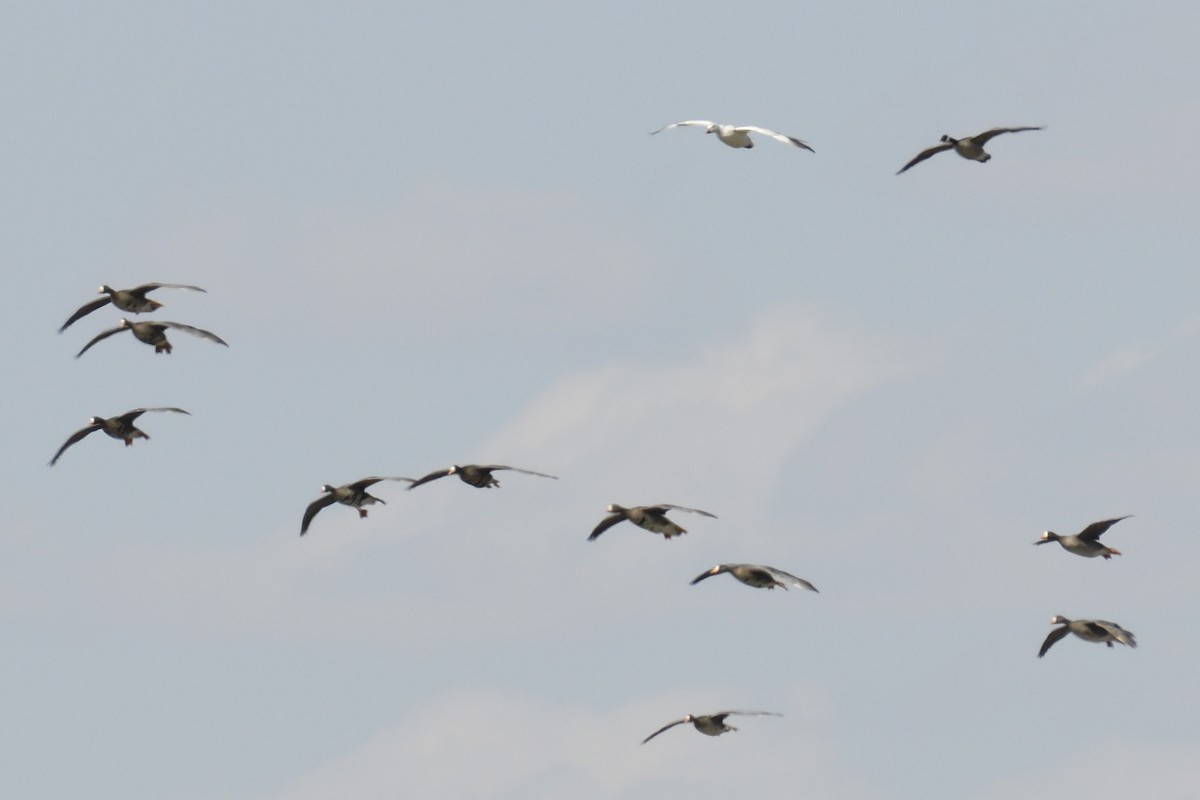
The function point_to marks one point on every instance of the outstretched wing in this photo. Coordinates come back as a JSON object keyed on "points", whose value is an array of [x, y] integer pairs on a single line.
{"points": [[84, 310], [433, 476], [99, 337], [314, 507], [150, 287], [75, 437], [721, 716], [1054, 636], [604, 525], [1092, 532], [129, 416], [779, 137], [788, 577], [203, 334], [924, 154], [702, 123], [666, 728], [983, 138], [493, 467], [664, 507], [359, 486], [1115, 631]]}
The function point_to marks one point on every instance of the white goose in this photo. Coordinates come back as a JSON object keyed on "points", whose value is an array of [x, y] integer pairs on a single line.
{"points": [[736, 135], [970, 147]]}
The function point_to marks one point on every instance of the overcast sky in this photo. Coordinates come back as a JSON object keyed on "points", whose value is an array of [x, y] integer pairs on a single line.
{"points": [[438, 233]]}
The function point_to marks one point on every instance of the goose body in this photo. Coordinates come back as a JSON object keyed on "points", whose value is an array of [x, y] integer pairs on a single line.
{"points": [[970, 148], [757, 575], [118, 427], [652, 518], [1090, 630], [477, 475], [152, 333], [132, 300], [737, 136], [1086, 543], [710, 724], [354, 495]]}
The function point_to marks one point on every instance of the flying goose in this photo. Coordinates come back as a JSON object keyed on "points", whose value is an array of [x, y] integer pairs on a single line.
{"points": [[1090, 630], [1087, 542], [652, 518], [757, 575], [476, 475], [351, 494], [154, 333], [710, 724], [736, 136], [132, 300], [119, 427], [971, 147]]}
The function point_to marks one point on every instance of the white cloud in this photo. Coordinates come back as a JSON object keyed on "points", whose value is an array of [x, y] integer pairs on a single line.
{"points": [[1115, 771], [730, 416], [1130, 359], [488, 743]]}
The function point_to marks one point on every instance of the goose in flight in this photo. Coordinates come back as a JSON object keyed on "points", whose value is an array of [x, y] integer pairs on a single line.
{"points": [[757, 575], [1086, 543], [1090, 630], [652, 518], [132, 300], [736, 136], [351, 494], [152, 333], [970, 147], [118, 427], [710, 724], [476, 475]]}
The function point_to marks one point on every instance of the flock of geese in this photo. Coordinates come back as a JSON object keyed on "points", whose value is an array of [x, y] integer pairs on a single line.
{"points": [[652, 518]]}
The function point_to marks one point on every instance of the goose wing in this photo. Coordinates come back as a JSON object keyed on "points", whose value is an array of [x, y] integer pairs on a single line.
{"points": [[203, 334], [702, 123], [433, 476], [492, 467], [1092, 532], [926, 153], [100, 337], [779, 137], [129, 416], [667, 727], [150, 287], [604, 525], [662, 508], [788, 577], [983, 138], [1115, 631], [75, 437], [722, 715], [359, 486], [313, 508], [1054, 636], [84, 310]]}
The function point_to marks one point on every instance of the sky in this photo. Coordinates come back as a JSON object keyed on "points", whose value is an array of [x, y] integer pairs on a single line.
{"points": [[438, 234]]}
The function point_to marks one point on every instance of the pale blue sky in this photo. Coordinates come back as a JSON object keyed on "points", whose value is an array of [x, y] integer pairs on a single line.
{"points": [[439, 233]]}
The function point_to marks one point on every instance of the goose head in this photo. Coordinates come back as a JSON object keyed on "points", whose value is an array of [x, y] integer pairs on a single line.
{"points": [[326, 488], [1048, 536], [948, 139], [454, 470], [1059, 620], [106, 289], [613, 508], [124, 323]]}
